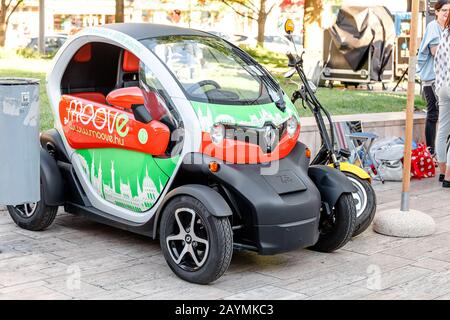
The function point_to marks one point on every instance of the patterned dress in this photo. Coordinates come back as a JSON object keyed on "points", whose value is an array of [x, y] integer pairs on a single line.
{"points": [[442, 62]]}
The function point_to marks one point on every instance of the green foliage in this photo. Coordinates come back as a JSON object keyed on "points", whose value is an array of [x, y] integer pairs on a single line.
{"points": [[29, 53], [267, 58], [339, 101], [46, 120]]}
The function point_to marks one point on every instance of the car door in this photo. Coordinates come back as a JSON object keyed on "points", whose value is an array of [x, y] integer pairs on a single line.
{"points": [[122, 155]]}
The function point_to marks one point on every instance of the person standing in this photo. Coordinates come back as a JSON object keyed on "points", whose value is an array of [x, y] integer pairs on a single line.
{"points": [[442, 84], [425, 69]]}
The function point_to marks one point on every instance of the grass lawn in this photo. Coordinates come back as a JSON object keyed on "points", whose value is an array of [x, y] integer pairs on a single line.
{"points": [[339, 101], [46, 113], [335, 100]]}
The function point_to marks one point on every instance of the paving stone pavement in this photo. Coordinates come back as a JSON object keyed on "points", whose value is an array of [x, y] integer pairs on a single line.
{"points": [[80, 259]]}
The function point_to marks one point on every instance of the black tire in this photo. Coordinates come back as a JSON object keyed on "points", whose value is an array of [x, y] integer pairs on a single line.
{"points": [[366, 203], [39, 219], [213, 257], [334, 235]]}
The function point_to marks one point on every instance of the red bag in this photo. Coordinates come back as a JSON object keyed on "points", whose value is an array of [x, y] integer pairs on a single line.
{"points": [[422, 163]]}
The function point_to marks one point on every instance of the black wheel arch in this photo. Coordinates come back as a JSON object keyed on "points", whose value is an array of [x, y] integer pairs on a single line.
{"points": [[52, 182], [210, 198], [331, 183]]}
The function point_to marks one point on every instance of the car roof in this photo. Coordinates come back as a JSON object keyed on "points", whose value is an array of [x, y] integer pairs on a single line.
{"points": [[140, 31]]}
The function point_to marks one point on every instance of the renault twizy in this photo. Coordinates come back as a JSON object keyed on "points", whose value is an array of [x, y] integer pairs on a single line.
{"points": [[179, 135]]}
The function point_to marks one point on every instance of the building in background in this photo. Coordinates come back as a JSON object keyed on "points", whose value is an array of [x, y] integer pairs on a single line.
{"points": [[68, 16], [65, 16]]}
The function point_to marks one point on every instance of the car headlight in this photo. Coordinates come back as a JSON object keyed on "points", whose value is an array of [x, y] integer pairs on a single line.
{"points": [[217, 133], [292, 125]]}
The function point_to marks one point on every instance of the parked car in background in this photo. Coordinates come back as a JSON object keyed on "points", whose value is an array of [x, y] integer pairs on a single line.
{"points": [[220, 35], [52, 43], [241, 39], [276, 43], [298, 40]]}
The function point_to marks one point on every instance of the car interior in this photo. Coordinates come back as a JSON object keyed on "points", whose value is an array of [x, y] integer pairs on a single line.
{"points": [[98, 69], [92, 72]]}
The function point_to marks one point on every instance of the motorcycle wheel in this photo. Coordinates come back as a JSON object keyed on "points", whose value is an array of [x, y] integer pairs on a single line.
{"points": [[365, 203]]}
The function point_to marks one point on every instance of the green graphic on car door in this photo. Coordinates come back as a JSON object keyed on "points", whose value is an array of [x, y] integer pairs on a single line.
{"points": [[128, 179]]}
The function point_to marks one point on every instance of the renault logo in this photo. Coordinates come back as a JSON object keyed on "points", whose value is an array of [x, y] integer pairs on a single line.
{"points": [[270, 136]]}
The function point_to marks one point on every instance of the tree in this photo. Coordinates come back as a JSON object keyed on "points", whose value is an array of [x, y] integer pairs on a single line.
{"points": [[120, 11], [7, 8], [312, 21], [255, 12]]}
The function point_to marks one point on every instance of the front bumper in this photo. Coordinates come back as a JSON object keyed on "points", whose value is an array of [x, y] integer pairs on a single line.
{"points": [[277, 205]]}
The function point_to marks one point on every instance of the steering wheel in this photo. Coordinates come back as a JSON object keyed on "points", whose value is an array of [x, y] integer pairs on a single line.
{"points": [[202, 83]]}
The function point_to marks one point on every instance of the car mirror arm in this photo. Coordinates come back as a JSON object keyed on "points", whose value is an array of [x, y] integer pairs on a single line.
{"points": [[141, 113]]}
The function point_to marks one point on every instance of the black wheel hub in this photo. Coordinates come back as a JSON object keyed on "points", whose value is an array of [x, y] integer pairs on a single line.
{"points": [[187, 240]]}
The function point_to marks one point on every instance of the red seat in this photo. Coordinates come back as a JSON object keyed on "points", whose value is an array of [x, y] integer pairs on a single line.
{"points": [[92, 96], [130, 62], [84, 54]]}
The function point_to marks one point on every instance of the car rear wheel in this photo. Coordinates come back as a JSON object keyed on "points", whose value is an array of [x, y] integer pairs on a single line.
{"points": [[196, 245], [35, 216]]}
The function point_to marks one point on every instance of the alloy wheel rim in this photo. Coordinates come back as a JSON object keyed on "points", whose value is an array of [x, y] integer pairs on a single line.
{"points": [[26, 210], [188, 243]]}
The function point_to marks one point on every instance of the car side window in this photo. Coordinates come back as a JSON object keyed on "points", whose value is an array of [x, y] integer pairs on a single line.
{"points": [[157, 99]]}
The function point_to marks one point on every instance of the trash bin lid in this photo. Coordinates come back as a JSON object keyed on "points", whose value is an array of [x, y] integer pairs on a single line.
{"points": [[18, 81]]}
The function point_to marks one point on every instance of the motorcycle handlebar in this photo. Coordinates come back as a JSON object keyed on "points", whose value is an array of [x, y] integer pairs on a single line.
{"points": [[294, 59], [311, 100]]}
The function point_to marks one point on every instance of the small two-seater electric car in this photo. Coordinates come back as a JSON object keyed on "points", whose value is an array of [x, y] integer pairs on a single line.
{"points": [[179, 135]]}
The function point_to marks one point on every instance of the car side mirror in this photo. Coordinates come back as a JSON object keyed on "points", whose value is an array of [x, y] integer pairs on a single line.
{"points": [[130, 98], [125, 97]]}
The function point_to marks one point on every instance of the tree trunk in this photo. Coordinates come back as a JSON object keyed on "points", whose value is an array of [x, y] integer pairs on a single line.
{"points": [[2, 34], [4, 17], [262, 17], [2, 24], [120, 11], [261, 27], [312, 21]]}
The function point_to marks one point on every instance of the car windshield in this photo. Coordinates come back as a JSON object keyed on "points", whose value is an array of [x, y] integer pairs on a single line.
{"points": [[213, 71]]}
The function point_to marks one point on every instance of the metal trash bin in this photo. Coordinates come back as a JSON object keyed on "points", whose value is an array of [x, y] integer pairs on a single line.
{"points": [[19, 141]]}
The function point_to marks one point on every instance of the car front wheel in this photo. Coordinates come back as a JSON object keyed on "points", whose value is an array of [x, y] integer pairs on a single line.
{"points": [[196, 245]]}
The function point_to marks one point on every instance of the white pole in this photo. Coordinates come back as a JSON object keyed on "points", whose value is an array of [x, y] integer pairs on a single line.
{"points": [[41, 39]]}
